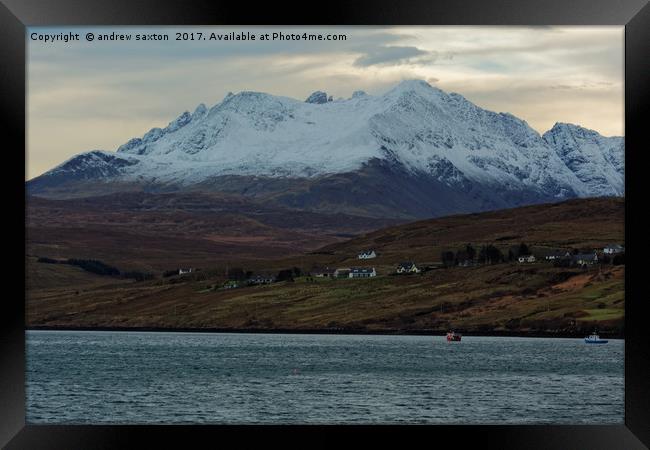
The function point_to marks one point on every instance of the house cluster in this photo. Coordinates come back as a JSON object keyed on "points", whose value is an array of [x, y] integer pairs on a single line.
{"points": [[348, 272], [345, 272], [406, 267], [251, 281], [355, 272], [260, 279], [402, 268], [578, 259], [527, 259]]}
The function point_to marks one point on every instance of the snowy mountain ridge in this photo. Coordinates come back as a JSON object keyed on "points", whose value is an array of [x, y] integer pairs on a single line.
{"points": [[419, 128]]}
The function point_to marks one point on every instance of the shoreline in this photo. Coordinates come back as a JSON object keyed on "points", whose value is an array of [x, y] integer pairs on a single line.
{"points": [[341, 331]]}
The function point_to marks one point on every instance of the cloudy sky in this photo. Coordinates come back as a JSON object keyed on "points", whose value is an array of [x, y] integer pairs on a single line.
{"points": [[98, 95]]}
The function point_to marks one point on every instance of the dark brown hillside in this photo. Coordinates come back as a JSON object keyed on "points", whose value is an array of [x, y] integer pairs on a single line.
{"points": [[158, 231], [507, 298], [588, 223]]}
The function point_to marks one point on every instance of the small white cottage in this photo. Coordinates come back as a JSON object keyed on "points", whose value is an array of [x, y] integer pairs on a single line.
{"points": [[527, 259], [407, 267], [368, 254]]}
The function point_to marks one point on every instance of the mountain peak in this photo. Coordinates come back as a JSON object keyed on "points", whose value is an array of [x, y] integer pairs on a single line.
{"points": [[318, 97], [412, 85], [414, 82], [566, 126], [573, 130], [417, 88], [178, 123], [200, 110], [597, 161], [414, 129]]}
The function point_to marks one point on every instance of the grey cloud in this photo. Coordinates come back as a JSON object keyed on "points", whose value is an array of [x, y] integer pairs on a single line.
{"points": [[389, 54], [582, 86]]}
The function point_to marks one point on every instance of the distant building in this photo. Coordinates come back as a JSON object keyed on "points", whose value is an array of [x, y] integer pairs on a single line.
{"points": [[323, 273], [557, 254], [342, 273], [407, 267], [466, 263], [362, 272], [527, 259], [613, 249], [368, 254], [183, 271], [231, 284], [261, 279], [584, 259]]}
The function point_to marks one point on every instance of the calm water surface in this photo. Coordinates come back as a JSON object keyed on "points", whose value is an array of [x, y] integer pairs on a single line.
{"points": [[138, 377]]}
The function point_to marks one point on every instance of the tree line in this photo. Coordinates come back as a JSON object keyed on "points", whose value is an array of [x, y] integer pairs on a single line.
{"points": [[486, 254], [489, 254], [99, 268]]}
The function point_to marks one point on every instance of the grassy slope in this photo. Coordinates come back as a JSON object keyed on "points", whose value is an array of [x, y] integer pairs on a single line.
{"points": [[502, 298], [156, 232], [62, 276]]}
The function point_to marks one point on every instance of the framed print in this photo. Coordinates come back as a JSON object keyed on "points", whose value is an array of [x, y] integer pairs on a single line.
{"points": [[383, 221]]}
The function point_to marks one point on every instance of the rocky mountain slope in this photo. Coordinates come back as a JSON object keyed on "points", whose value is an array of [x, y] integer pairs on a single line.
{"points": [[413, 152]]}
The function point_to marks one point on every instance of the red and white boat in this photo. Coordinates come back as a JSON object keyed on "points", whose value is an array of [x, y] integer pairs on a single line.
{"points": [[453, 337]]}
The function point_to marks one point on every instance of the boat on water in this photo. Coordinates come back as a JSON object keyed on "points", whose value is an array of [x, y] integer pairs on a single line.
{"points": [[453, 337], [593, 338]]}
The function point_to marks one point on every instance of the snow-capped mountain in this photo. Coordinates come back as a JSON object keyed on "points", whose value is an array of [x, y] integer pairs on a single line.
{"points": [[427, 151], [597, 161]]}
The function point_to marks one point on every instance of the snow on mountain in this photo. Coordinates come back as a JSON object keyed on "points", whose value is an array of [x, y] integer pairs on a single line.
{"points": [[95, 164], [597, 161], [414, 126]]}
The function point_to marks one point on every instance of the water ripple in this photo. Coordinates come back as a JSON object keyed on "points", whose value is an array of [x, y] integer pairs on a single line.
{"points": [[117, 377]]}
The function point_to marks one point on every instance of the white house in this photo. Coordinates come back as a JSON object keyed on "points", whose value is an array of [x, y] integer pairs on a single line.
{"points": [[558, 255], [584, 259], [613, 249], [407, 267], [182, 271], [362, 272], [527, 259], [368, 254]]}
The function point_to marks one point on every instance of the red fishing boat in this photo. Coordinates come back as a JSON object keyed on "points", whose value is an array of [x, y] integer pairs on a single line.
{"points": [[453, 337]]}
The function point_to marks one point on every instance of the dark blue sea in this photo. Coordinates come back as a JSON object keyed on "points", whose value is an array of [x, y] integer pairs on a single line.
{"points": [[181, 378]]}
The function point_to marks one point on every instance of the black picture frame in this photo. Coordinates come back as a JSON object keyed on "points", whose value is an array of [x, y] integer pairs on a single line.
{"points": [[15, 15]]}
